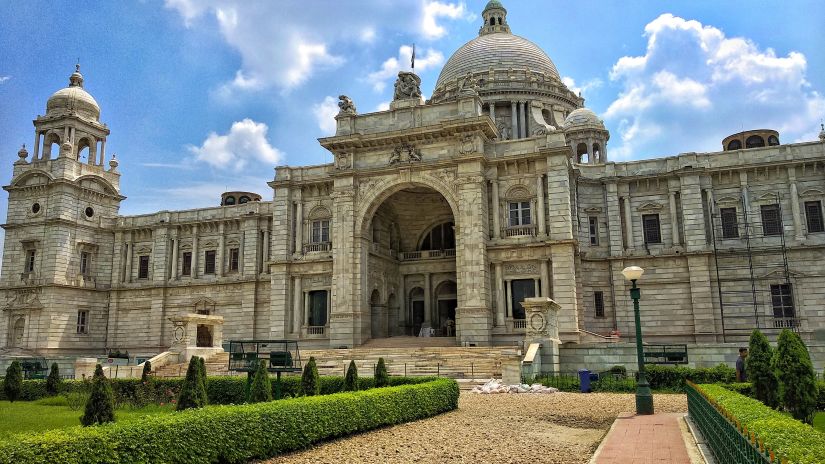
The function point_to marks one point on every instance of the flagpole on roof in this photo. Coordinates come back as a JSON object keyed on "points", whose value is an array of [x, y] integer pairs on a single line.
{"points": [[412, 59]]}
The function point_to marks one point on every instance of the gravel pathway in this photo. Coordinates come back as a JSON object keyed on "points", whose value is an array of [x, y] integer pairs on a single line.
{"points": [[523, 428]]}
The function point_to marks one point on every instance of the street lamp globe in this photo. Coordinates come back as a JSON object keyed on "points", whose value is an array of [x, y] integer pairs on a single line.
{"points": [[633, 273]]}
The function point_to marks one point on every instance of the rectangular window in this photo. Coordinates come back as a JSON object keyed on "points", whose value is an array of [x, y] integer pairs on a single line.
{"points": [[813, 215], [782, 301], [650, 227], [209, 262], [143, 267], [730, 223], [523, 288], [520, 213], [594, 230], [83, 322], [598, 303], [320, 231], [234, 258], [84, 263], [186, 269], [30, 255], [771, 221]]}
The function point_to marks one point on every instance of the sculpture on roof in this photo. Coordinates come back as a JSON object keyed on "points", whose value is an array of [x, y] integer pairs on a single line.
{"points": [[408, 85], [469, 84], [347, 105]]}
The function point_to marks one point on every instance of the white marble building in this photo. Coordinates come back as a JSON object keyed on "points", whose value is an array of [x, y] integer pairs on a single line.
{"points": [[444, 213]]}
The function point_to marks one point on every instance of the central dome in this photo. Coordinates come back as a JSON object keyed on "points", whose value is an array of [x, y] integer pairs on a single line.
{"points": [[498, 50]]}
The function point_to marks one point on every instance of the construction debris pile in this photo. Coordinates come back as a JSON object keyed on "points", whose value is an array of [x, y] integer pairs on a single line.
{"points": [[495, 386]]}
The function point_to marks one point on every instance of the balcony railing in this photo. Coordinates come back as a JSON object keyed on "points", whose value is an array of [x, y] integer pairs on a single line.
{"points": [[785, 322], [427, 254], [519, 323], [313, 247], [519, 231], [315, 330]]}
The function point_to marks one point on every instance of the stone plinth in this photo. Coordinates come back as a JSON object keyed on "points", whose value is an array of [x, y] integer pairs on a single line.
{"points": [[543, 329], [185, 335], [84, 368]]}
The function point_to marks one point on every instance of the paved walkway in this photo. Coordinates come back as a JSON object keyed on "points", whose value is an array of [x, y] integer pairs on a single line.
{"points": [[650, 439]]}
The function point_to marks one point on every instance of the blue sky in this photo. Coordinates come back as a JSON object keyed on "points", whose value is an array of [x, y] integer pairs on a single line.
{"points": [[204, 95]]}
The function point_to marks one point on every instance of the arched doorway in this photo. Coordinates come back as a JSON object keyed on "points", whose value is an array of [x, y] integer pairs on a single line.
{"points": [[446, 302], [416, 305], [393, 316], [17, 332], [378, 316]]}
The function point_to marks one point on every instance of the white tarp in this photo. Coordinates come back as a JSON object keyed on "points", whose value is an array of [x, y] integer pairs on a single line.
{"points": [[495, 386]]}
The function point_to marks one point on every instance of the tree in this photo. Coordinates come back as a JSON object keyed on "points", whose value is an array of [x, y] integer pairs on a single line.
{"points": [[382, 378], [797, 383], [261, 389], [147, 371], [100, 407], [192, 394], [202, 378], [13, 383], [53, 381], [760, 369], [310, 384], [351, 379]]}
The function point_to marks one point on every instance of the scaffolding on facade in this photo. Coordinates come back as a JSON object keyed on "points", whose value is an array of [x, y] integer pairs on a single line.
{"points": [[752, 277]]}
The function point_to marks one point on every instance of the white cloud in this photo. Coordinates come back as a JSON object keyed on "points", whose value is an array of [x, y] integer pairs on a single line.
{"points": [[433, 10], [693, 86], [4, 79], [383, 106], [325, 114], [582, 89], [245, 141], [424, 60]]}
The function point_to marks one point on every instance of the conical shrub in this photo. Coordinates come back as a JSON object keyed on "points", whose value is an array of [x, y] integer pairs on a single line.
{"points": [[382, 378], [202, 379], [310, 383], [147, 371], [261, 389], [760, 370], [797, 383], [13, 382], [351, 379], [100, 408], [192, 392], [53, 381]]}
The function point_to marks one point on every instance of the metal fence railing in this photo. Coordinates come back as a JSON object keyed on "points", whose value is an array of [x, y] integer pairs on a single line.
{"points": [[729, 442]]}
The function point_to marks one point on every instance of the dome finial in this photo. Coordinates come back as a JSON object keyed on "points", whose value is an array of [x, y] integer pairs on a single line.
{"points": [[822, 132], [76, 79], [495, 18]]}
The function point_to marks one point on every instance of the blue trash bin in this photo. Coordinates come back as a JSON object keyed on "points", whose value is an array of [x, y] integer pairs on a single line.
{"points": [[584, 381]]}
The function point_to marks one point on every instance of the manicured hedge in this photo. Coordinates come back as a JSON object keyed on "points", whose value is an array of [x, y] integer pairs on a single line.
{"points": [[673, 378], [797, 442], [234, 434], [220, 390], [747, 390]]}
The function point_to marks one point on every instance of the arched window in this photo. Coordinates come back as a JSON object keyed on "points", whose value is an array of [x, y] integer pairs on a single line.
{"points": [[51, 146], [229, 201], [597, 153], [243, 199], [499, 21], [773, 141], [83, 149], [581, 153], [734, 145], [440, 237], [754, 141]]}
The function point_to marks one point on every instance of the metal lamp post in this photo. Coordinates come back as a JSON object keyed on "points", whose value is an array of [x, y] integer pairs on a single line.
{"points": [[644, 397]]}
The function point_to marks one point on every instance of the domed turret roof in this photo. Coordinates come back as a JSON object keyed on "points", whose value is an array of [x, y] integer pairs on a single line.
{"points": [[74, 98], [498, 50], [582, 117]]}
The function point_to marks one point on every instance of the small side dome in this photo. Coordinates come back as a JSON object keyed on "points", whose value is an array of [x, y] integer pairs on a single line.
{"points": [[73, 99], [238, 198], [582, 117]]}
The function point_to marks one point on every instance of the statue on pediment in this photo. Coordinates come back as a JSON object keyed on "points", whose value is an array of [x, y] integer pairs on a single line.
{"points": [[347, 105], [408, 85]]}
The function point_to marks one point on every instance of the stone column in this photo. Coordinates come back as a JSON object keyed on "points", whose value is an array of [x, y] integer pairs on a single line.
{"points": [[195, 257], [525, 128], [496, 210], [797, 214], [427, 298], [36, 154], [102, 152], [299, 227], [402, 301], [493, 112], [501, 304], [129, 253], [513, 121], [306, 308], [694, 227], [545, 278], [509, 307], [521, 120], [674, 219], [614, 220], [265, 251], [297, 304], [221, 246], [743, 182], [628, 221], [346, 298], [536, 289], [565, 289], [540, 205], [175, 245]]}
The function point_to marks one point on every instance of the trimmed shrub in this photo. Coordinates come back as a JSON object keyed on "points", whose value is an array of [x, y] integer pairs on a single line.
{"points": [[13, 382], [791, 439], [820, 399], [192, 392], [261, 389], [147, 371], [760, 371], [53, 381], [310, 385], [202, 380], [351, 379], [797, 382], [235, 434], [382, 378], [100, 408], [673, 378], [743, 388]]}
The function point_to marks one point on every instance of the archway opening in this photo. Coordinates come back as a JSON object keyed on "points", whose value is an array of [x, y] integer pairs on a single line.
{"points": [[446, 295]]}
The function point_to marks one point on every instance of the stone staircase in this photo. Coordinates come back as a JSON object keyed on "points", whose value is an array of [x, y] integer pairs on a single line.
{"points": [[411, 356]]}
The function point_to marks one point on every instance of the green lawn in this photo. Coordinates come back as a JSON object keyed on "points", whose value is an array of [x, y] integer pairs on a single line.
{"points": [[819, 421], [33, 416]]}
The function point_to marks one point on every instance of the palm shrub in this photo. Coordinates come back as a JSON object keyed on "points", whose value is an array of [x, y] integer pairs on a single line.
{"points": [[261, 389], [797, 383], [13, 383], [760, 371], [53, 380], [192, 392], [310, 384], [100, 407], [351, 379], [382, 378], [147, 370]]}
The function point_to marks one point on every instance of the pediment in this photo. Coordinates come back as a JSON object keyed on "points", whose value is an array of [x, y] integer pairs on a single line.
{"points": [[727, 201], [593, 210], [650, 206], [813, 192]]}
